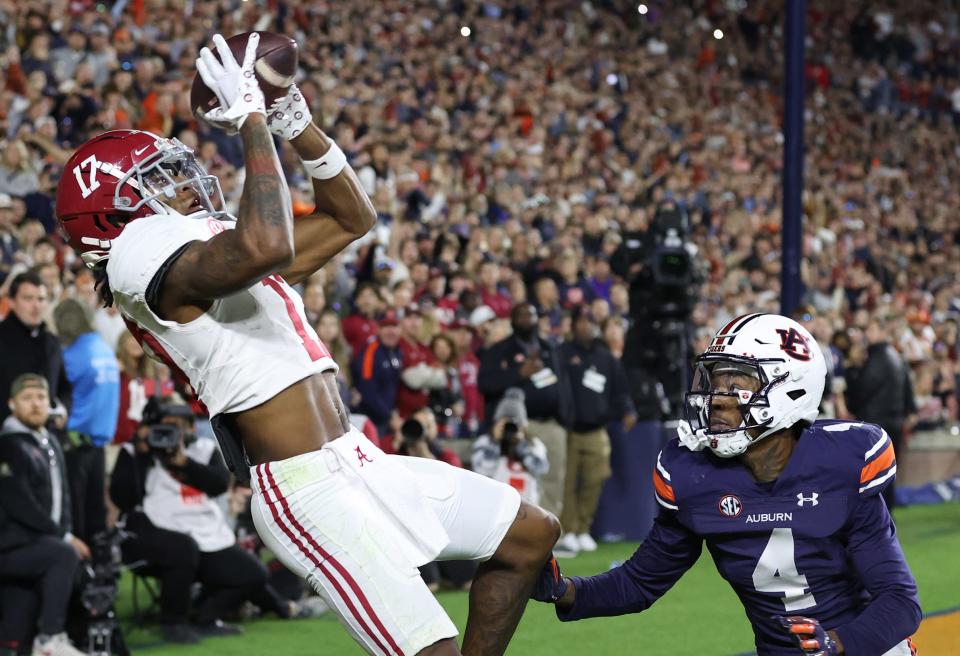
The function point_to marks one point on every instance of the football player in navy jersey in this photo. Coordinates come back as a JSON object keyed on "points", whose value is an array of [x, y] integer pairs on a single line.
{"points": [[789, 507]]}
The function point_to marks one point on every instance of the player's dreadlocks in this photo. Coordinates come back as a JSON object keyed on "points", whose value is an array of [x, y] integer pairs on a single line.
{"points": [[102, 285]]}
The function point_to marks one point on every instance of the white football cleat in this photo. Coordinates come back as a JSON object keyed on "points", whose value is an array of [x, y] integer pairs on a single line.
{"points": [[587, 543], [55, 645], [567, 547]]}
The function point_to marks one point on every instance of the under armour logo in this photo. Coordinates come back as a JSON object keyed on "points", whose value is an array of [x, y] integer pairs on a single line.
{"points": [[361, 456], [811, 499]]}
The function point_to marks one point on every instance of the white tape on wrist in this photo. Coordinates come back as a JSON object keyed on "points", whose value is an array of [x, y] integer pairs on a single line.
{"points": [[329, 165]]}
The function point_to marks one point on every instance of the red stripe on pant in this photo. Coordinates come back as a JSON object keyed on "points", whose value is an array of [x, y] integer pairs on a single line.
{"points": [[326, 573]]}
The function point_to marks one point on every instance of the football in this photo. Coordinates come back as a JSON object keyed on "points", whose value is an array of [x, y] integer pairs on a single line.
{"points": [[276, 67]]}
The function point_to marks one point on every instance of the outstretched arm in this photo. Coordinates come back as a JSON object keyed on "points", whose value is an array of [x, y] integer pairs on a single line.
{"points": [[667, 553]]}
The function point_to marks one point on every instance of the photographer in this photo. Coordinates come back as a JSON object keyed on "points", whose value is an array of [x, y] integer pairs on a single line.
{"points": [[164, 483], [38, 554], [508, 454], [417, 437]]}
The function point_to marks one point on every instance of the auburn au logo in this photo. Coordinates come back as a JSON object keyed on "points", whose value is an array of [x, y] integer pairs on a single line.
{"points": [[794, 344]]}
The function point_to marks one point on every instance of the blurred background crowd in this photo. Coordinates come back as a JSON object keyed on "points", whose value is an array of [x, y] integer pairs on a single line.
{"points": [[568, 187]]}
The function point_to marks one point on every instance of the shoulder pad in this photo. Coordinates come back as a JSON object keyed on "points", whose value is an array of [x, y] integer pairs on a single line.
{"points": [[866, 446], [662, 478], [145, 244]]}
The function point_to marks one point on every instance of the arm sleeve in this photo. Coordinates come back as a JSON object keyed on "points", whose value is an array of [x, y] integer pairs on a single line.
{"points": [[893, 613], [129, 479], [667, 553], [211, 478], [17, 498]]}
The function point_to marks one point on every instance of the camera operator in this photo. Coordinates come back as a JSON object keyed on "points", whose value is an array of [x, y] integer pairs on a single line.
{"points": [[659, 264], [164, 482], [38, 554], [508, 454]]}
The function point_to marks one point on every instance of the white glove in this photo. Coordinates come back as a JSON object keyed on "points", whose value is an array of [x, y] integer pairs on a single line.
{"points": [[235, 85], [290, 115]]}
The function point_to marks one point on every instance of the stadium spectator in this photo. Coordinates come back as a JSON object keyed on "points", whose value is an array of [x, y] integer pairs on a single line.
{"points": [[600, 396], [468, 368], [329, 330], [527, 361], [879, 389], [27, 343], [38, 552], [360, 327], [376, 373], [419, 374], [141, 378], [10, 252], [94, 375], [447, 402], [491, 294]]}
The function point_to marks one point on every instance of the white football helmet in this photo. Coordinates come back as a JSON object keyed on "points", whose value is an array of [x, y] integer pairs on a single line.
{"points": [[778, 352]]}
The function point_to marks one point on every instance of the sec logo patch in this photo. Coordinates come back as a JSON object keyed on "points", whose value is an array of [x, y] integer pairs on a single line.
{"points": [[216, 227], [730, 506]]}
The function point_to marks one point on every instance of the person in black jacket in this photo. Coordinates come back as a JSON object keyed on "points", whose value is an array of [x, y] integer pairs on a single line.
{"points": [[600, 395], [164, 482], [38, 554], [28, 347], [879, 390], [526, 361]]}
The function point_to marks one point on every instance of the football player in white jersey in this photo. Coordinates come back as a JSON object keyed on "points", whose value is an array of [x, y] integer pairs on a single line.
{"points": [[210, 295]]}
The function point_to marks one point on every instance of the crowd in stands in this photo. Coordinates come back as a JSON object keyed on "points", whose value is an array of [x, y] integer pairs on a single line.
{"points": [[506, 161]]}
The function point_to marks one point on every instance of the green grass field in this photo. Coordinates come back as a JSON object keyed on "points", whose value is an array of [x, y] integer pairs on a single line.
{"points": [[700, 616]]}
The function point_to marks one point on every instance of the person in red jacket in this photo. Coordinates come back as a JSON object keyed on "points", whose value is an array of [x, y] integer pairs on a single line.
{"points": [[468, 366], [360, 327], [490, 292], [418, 375]]}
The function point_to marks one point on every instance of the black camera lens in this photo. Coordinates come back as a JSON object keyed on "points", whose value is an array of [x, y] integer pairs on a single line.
{"points": [[411, 430]]}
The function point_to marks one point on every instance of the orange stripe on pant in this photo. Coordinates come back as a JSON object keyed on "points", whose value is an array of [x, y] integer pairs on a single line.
{"points": [[883, 461]]}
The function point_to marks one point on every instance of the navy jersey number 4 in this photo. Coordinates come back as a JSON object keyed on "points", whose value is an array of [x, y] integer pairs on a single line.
{"points": [[817, 541]]}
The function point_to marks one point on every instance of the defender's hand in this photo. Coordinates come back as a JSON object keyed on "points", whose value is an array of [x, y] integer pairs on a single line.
{"points": [[811, 637], [550, 584], [235, 85], [290, 115]]}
